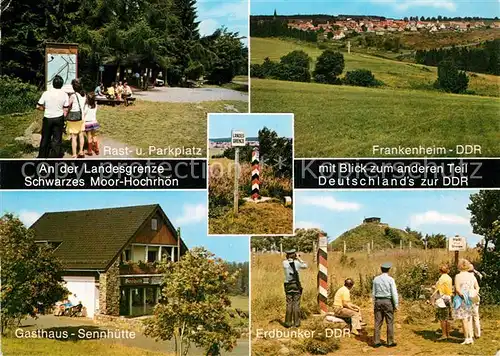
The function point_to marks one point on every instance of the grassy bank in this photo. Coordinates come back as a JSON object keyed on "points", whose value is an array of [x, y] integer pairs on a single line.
{"points": [[44, 347], [344, 121], [141, 125], [394, 74], [416, 329]]}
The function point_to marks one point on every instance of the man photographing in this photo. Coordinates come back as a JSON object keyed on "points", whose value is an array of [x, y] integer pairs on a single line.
{"points": [[293, 288]]}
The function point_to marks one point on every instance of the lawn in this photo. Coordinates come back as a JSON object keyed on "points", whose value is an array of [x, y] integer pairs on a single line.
{"points": [[344, 121], [240, 302], [254, 218], [45, 347], [141, 125], [394, 74], [416, 331]]}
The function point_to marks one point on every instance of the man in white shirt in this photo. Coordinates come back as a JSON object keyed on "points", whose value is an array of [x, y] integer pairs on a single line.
{"points": [[54, 104]]}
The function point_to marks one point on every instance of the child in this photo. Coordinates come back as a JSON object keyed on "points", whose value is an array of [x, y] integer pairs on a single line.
{"points": [[91, 124]]}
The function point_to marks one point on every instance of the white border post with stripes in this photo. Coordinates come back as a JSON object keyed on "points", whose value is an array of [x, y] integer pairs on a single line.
{"points": [[322, 273]]}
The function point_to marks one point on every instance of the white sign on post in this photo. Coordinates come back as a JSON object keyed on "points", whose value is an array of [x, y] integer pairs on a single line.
{"points": [[237, 138], [457, 243]]}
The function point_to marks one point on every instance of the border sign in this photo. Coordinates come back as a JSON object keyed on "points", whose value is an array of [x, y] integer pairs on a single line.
{"points": [[237, 138], [457, 243]]}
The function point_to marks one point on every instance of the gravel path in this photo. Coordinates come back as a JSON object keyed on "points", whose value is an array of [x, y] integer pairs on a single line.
{"points": [[191, 95]]}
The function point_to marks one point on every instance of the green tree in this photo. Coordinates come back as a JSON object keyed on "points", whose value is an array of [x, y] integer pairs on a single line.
{"points": [[195, 299], [297, 58], [329, 66], [436, 240], [450, 79], [30, 274]]}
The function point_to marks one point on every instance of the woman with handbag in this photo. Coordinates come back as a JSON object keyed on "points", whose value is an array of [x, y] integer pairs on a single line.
{"points": [[76, 125], [442, 301]]}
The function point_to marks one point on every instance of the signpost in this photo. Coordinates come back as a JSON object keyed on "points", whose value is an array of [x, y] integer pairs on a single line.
{"points": [[457, 244], [61, 59], [237, 141]]}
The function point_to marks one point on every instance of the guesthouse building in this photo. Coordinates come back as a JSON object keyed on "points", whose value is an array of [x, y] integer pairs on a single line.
{"points": [[110, 256]]}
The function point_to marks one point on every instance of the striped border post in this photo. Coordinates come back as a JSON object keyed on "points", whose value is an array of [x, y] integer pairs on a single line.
{"points": [[255, 174], [322, 274]]}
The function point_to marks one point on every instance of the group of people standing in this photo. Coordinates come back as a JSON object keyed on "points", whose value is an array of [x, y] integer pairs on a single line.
{"points": [[75, 113], [460, 302]]}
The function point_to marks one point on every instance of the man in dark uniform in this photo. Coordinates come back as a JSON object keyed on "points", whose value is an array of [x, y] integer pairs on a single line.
{"points": [[293, 288], [385, 301]]}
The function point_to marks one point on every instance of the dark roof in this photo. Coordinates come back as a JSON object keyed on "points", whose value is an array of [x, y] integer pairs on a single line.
{"points": [[91, 239]]}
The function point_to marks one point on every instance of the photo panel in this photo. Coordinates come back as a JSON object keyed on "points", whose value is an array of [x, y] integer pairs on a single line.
{"points": [[145, 77], [108, 273], [374, 80], [361, 257], [250, 170]]}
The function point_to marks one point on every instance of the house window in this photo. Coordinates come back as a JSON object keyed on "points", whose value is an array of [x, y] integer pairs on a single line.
{"points": [[154, 224], [127, 255], [152, 256]]}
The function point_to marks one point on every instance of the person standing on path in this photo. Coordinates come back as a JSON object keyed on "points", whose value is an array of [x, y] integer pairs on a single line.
{"points": [[76, 125], [385, 300], [293, 288], [54, 103]]}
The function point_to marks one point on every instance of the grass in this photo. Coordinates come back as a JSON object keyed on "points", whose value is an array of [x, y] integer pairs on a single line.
{"points": [[344, 121], [44, 347], [141, 125], [240, 302], [394, 74], [414, 335], [256, 219]]}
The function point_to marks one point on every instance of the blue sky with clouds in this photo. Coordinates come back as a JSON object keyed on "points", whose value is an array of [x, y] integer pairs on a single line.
{"points": [[387, 8], [232, 14], [221, 125], [428, 211], [185, 209]]}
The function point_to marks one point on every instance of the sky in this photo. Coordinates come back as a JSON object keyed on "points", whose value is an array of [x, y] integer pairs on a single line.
{"points": [[232, 14], [220, 126], [428, 211], [387, 8], [185, 209]]}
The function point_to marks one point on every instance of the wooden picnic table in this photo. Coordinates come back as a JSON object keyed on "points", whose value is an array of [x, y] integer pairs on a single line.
{"points": [[113, 102]]}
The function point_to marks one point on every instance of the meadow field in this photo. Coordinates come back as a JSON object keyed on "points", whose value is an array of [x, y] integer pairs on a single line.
{"points": [[346, 121], [269, 217], [144, 124], [416, 330]]}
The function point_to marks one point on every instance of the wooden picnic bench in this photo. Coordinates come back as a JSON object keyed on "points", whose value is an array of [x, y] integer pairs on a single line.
{"points": [[113, 102]]}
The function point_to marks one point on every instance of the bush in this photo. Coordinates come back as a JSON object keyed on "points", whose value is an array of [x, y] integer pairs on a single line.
{"points": [[17, 96], [296, 59], [294, 73], [412, 275], [221, 73], [329, 66], [361, 78], [256, 71], [174, 76], [450, 79], [194, 71]]}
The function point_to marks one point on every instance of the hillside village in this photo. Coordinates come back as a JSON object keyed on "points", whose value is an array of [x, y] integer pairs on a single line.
{"points": [[342, 28]]}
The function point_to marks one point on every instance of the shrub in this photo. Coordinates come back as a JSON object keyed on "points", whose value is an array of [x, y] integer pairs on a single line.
{"points": [[17, 96], [221, 73], [412, 275], [194, 71], [294, 73], [270, 69], [450, 79], [256, 71], [296, 59], [329, 66], [361, 78], [174, 76]]}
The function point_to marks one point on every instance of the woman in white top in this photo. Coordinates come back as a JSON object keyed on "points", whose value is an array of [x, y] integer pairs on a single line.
{"points": [[91, 124], [54, 104], [465, 287], [476, 323], [76, 125]]}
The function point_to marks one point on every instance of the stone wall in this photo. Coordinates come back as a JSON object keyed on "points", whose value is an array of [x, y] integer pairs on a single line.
{"points": [[109, 290]]}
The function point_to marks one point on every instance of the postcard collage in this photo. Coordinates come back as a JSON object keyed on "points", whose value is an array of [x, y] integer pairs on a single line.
{"points": [[249, 177]]}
